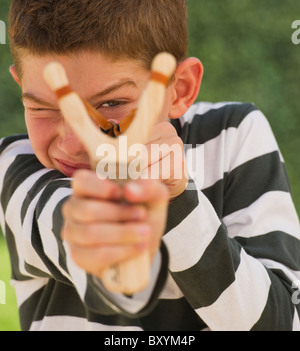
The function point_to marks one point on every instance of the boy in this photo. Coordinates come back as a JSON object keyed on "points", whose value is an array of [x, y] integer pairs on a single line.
{"points": [[229, 257]]}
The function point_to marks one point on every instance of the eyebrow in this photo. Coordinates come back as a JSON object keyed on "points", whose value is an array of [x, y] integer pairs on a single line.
{"points": [[34, 98], [101, 94], [113, 88]]}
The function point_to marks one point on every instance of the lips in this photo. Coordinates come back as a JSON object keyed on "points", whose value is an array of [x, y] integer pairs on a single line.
{"points": [[69, 169]]}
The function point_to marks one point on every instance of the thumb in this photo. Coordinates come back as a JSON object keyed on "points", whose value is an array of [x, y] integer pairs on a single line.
{"points": [[147, 191]]}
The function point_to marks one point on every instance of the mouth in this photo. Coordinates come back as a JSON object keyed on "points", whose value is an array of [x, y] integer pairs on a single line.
{"points": [[68, 169]]}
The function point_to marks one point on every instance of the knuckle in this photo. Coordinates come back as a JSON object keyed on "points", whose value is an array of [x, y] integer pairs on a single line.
{"points": [[176, 140], [86, 212], [88, 237], [135, 233], [83, 210], [104, 258], [79, 212], [167, 127], [121, 212], [80, 178], [65, 210], [128, 232]]}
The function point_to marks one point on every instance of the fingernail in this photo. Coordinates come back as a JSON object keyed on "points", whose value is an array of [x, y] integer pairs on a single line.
{"points": [[135, 189]]}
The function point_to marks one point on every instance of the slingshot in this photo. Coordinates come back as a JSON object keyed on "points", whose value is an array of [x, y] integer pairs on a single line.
{"points": [[133, 275]]}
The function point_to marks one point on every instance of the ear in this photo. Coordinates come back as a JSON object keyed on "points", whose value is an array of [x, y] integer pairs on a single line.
{"points": [[188, 77], [13, 72]]}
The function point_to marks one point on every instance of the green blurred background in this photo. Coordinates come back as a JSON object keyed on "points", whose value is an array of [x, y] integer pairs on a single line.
{"points": [[248, 55]]}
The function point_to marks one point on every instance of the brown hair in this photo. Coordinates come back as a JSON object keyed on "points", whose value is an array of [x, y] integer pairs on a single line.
{"points": [[119, 29]]}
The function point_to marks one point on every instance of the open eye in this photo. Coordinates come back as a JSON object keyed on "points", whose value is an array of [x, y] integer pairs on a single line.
{"points": [[115, 109], [112, 104]]}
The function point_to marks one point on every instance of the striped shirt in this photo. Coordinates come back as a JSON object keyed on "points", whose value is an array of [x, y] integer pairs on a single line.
{"points": [[230, 257]]}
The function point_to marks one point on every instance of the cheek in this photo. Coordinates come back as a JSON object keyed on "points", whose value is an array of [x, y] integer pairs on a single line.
{"points": [[42, 134]]}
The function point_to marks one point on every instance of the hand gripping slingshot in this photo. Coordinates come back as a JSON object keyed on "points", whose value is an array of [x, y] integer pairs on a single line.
{"points": [[133, 275]]}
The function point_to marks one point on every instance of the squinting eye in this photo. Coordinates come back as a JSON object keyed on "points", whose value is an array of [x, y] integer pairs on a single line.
{"points": [[42, 109]]}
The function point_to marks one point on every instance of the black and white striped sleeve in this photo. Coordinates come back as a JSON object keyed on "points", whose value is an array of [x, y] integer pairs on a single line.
{"points": [[233, 238], [30, 215]]}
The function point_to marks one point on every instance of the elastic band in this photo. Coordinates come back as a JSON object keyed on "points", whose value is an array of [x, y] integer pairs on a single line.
{"points": [[159, 77], [63, 91], [109, 128]]}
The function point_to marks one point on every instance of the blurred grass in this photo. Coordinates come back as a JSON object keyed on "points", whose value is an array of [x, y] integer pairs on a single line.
{"points": [[247, 53]]}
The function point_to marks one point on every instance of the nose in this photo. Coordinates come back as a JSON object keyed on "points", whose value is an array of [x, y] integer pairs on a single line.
{"points": [[68, 142]]}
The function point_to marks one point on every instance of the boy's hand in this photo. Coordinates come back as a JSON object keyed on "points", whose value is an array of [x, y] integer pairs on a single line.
{"points": [[166, 160], [101, 230]]}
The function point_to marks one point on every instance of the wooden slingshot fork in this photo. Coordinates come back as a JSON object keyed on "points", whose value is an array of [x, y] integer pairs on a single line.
{"points": [[130, 276]]}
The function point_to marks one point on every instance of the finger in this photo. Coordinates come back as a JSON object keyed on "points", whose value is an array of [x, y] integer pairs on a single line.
{"points": [[86, 211], [85, 183], [161, 130], [171, 166], [162, 147], [96, 260], [107, 234]]}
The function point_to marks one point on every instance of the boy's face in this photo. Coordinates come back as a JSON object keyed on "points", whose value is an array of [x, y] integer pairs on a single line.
{"points": [[113, 88]]}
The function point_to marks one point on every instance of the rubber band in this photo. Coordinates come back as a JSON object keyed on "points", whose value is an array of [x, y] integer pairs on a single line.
{"points": [[63, 91], [107, 127], [159, 77]]}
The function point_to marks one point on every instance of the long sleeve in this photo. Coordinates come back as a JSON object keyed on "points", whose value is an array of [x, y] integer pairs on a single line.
{"points": [[233, 236], [52, 291]]}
